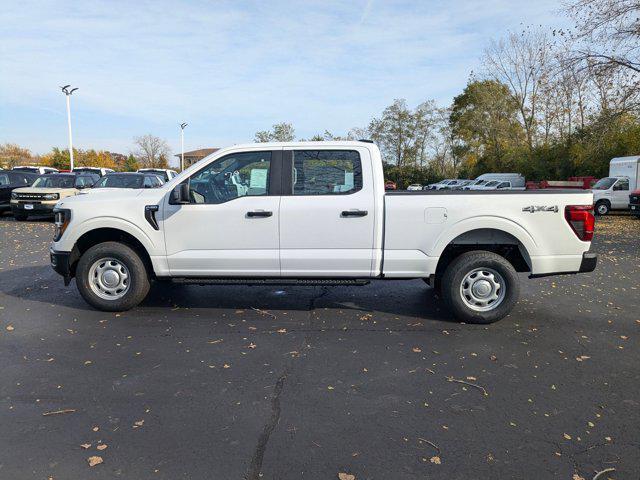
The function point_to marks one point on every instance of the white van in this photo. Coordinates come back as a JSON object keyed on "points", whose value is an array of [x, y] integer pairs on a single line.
{"points": [[515, 182], [612, 192]]}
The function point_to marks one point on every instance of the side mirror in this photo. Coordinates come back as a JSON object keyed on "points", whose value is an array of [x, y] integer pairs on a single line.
{"points": [[180, 194]]}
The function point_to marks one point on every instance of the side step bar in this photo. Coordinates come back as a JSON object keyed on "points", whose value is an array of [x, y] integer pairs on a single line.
{"points": [[270, 281]]}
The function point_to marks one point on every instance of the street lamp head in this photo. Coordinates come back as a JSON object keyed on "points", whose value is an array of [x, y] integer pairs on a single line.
{"points": [[183, 125], [66, 90]]}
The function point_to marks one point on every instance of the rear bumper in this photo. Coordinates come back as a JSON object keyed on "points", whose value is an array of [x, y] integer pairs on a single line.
{"points": [[588, 264], [61, 263]]}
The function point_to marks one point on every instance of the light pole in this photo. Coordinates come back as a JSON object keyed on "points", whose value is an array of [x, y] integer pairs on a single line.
{"points": [[68, 93], [182, 127]]}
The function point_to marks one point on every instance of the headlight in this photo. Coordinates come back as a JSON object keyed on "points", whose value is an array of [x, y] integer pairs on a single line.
{"points": [[14, 195], [62, 217], [51, 196]]}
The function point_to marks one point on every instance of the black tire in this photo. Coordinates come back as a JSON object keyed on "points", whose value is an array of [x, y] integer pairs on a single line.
{"points": [[137, 279], [460, 267], [602, 207], [20, 217]]}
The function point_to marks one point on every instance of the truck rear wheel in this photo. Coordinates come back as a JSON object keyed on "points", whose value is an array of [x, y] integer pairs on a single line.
{"points": [[480, 287], [112, 277]]}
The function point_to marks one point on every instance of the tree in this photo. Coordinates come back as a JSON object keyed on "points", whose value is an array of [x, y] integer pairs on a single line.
{"points": [[131, 164], [394, 132], [521, 61], [12, 154], [484, 119], [152, 151], [280, 132], [609, 31]]}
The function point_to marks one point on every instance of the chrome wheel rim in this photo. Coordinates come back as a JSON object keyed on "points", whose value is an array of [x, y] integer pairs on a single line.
{"points": [[482, 289], [109, 278], [602, 209]]}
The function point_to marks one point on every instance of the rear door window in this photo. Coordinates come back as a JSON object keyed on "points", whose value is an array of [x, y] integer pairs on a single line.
{"points": [[326, 172]]}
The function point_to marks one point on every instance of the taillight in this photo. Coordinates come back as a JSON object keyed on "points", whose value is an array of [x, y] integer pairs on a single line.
{"points": [[581, 220]]}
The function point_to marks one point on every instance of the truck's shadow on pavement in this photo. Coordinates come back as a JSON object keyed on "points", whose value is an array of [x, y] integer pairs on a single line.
{"points": [[397, 298]]}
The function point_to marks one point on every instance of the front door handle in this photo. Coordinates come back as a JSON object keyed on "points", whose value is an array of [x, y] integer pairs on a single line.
{"points": [[259, 213], [354, 213]]}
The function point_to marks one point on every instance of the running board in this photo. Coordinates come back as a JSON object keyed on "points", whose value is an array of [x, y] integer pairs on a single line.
{"points": [[270, 281]]}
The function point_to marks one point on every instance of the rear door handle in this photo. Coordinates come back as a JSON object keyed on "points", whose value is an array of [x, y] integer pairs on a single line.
{"points": [[259, 213], [354, 213]]}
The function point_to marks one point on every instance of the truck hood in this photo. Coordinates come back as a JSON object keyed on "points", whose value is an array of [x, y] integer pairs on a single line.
{"points": [[112, 195]]}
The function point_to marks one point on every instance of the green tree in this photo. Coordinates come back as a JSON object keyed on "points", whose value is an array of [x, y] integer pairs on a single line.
{"points": [[280, 132], [131, 164], [484, 119]]}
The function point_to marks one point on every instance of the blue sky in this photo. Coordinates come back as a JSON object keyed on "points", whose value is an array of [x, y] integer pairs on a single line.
{"points": [[230, 68]]}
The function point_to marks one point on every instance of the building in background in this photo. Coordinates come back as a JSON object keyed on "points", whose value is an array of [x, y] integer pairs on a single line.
{"points": [[195, 156]]}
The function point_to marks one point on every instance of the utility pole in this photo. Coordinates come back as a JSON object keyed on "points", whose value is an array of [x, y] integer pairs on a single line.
{"points": [[68, 93], [182, 127]]}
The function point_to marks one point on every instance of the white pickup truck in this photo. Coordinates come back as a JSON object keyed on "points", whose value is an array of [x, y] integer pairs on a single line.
{"points": [[316, 213]]}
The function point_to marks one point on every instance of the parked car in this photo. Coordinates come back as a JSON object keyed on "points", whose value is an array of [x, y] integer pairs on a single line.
{"points": [[414, 187], [163, 173], [389, 185], [9, 181], [129, 180], [516, 181], [96, 170], [35, 169], [42, 196], [612, 192], [309, 213], [634, 203]]}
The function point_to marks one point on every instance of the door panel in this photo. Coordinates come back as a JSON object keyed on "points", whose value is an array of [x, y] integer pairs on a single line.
{"points": [[231, 226], [325, 231]]}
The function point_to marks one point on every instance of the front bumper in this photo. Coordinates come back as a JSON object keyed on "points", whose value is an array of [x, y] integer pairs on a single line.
{"points": [[39, 208], [61, 263], [634, 208], [588, 264]]}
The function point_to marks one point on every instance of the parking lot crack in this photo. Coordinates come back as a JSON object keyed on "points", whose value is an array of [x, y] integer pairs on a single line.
{"points": [[255, 467]]}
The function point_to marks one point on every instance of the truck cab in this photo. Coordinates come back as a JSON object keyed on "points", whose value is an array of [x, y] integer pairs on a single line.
{"points": [[612, 192]]}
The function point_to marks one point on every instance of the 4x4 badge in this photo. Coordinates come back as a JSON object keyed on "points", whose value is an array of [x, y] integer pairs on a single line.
{"points": [[540, 208]]}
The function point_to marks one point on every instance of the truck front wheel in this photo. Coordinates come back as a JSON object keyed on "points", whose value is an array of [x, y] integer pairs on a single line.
{"points": [[112, 277], [602, 207], [480, 287]]}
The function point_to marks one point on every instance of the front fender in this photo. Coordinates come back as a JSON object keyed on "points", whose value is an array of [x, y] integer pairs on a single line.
{"points": [[70, 238]]}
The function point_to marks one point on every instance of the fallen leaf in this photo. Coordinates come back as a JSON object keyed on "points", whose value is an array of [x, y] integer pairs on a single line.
{"points": [[416, 350], [102, 446], [95, 429], [226, 365], [435, 459], [85, 446], [94, 460], [567, 436], [139, 423], [577, 477], [10, 328], [282, 330], [251, 345], [346, 476], [330, 387]]}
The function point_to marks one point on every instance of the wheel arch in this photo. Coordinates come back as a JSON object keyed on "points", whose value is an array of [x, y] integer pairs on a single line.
{"points": [[497, 240], [95, 236]]}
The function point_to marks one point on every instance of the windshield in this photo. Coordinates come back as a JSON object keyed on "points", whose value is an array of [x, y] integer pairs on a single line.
{"points": [[604, 183], [120, 181], [54, 181]]}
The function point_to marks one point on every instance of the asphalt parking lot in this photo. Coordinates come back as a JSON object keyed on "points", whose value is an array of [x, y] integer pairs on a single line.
{"points": [[308, 382]]}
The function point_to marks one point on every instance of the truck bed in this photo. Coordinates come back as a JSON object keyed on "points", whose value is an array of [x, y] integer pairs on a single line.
{"points": [[420, 225]]}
